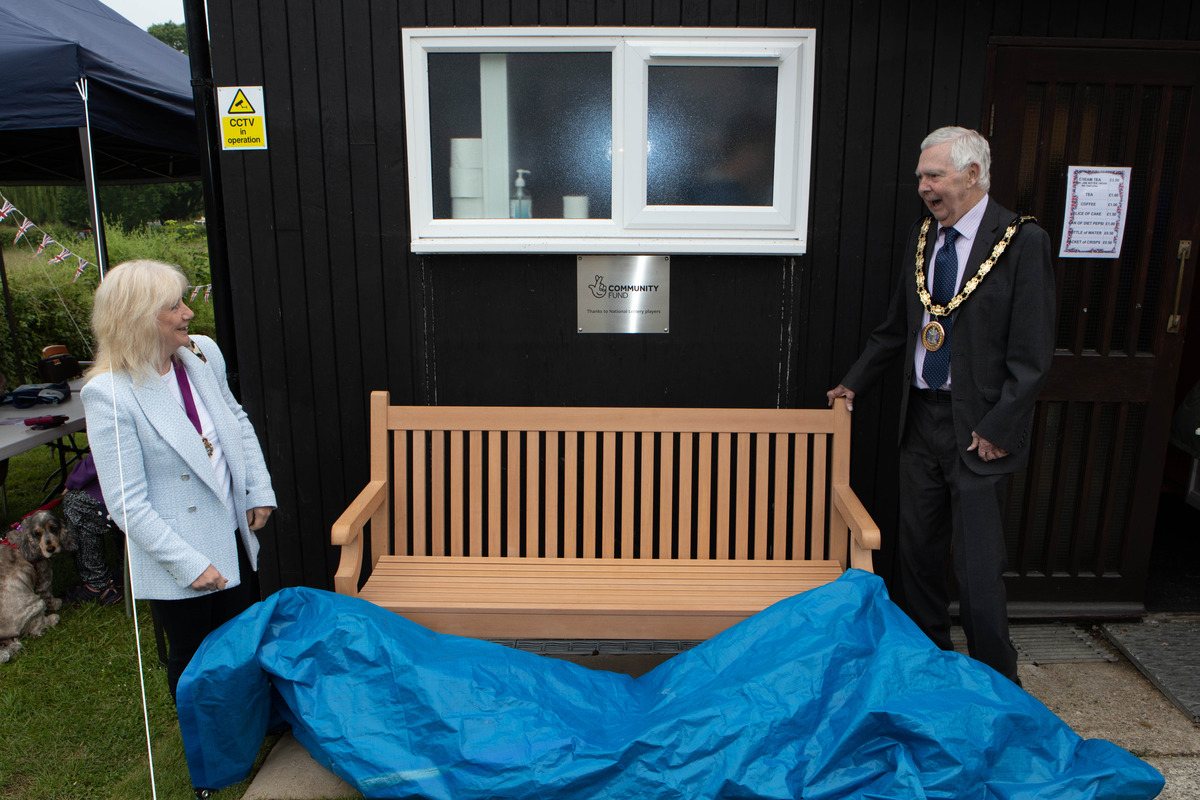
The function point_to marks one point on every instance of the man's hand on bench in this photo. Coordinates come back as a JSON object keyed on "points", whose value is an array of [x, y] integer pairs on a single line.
{"points": [[841, 391]]}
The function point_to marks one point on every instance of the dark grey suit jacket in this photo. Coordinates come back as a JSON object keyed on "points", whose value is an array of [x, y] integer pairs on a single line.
{"points": [[1001, 345]]}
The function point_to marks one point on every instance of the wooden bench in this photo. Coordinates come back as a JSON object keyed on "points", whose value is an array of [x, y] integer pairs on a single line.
{"points": [[599, 523]]}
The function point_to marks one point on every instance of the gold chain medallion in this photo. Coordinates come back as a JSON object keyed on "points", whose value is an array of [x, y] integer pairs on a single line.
{"points": [[933, 335]]}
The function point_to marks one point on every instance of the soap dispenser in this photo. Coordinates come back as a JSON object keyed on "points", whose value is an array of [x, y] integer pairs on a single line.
{"points": [[520, 205]]}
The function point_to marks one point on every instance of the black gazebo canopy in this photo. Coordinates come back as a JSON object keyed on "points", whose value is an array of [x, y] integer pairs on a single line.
{"points": [[140, 103]]}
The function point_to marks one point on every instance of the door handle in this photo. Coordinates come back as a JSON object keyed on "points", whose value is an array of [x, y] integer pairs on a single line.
{"points": [[1185, 252]]}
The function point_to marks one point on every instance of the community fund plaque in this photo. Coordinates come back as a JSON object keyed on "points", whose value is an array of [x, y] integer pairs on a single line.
{"points": [[624, 294]]}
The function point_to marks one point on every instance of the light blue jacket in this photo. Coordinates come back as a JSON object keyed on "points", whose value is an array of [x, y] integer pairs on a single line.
{"points": [[157, 481]]}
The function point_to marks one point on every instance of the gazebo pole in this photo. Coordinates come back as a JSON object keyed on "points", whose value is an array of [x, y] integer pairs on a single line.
{"points": [[89, 182]]}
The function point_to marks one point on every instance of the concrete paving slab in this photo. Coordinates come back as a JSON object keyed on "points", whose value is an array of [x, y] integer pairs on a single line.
{"points": [[290, 773], [1113, 701], [1182, 774]]}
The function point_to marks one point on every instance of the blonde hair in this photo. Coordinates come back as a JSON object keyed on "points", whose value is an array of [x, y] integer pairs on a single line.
{"points": [[125, 316]]}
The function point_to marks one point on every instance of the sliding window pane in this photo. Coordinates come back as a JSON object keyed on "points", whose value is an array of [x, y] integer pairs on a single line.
{"points": [[547, 114], [711, 135]]}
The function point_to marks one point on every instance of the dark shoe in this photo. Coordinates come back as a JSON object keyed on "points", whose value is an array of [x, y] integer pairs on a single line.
{"points": [[108, 596]]}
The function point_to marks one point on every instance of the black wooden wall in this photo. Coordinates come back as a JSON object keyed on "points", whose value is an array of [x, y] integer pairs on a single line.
{"points": [[329, 303]]}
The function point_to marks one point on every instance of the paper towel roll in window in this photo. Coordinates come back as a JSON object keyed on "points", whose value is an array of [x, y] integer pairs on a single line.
{"points": [[466, 182], [466, 153], [466, 207], [575, 206]]}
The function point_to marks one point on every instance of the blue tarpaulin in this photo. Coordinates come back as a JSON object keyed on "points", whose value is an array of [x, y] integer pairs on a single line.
{"points": [[833, 693]]}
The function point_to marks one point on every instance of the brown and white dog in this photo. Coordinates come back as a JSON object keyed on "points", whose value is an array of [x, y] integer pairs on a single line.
{"points": [[25, 599]]}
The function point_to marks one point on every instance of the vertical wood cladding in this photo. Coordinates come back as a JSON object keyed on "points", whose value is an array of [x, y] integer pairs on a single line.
{"points": [[330, 304]]}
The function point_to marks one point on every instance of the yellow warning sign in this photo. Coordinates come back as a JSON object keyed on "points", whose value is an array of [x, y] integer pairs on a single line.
{"points": [[243, 117], [240, 104], [243, 132]]}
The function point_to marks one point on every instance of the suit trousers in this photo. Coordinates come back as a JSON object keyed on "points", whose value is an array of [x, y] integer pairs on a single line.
{"points": [[947, 510], [187, 622]]}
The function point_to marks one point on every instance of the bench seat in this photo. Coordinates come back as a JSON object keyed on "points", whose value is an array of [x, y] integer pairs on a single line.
{"points": [[587, 598], [599, 523]]}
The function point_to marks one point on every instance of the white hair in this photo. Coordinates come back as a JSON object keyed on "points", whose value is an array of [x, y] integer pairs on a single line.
{"points": [[966, 147]]}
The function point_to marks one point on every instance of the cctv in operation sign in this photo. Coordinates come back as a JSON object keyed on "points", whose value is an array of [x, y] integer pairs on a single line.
{"points": [[243, 117]]}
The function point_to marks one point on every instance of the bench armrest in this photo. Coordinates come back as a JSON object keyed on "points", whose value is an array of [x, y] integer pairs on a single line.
{"points": [[347, 533], [863, 530], [349, 526]]}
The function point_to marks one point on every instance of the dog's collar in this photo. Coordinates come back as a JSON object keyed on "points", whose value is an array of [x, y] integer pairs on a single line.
{"points": [[10, 544]]}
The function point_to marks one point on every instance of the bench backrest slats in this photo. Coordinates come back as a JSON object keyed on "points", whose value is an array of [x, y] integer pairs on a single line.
{"points": [[817, 544], [723, 495], [683, 479], [649, 486], [570, 494], [701, 548], [613, 483]]}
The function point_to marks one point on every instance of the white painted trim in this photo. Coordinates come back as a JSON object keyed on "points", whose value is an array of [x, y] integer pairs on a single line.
{"points": [[626, 245], [493, 112], [634, 227]]}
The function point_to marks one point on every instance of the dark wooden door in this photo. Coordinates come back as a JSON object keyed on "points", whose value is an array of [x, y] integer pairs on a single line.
{"points": [[1081, 517]]}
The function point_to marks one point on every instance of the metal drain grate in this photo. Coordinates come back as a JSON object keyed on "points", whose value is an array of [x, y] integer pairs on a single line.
{"points": [[1054, 643], [1057, 643], [1050, 643], [1168, 653]]}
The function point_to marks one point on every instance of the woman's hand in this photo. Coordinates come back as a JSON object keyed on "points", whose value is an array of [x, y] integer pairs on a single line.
{"points": [[257, 517], [210, 580]]}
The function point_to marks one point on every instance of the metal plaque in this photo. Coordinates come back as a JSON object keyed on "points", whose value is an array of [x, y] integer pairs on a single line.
{"points": [[624, 294]]}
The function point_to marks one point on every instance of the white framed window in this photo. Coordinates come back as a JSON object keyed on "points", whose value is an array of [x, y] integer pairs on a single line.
{"points": [[609, 140]]}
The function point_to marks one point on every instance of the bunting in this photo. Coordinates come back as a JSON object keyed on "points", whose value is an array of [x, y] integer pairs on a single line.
{"points": [[7, 209]]}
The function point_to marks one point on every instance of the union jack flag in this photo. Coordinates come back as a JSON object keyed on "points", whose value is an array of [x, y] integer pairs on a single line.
{"points": [[195, 291], [208, 293], [82, 266], [61, 256], [6, 209], [46, 242], [24, 226]]}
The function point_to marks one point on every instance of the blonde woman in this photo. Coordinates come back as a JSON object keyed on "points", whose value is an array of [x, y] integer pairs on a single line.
{"points": [[179, 463]]}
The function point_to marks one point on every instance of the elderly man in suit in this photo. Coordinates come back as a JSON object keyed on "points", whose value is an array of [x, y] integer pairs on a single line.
{"points": [[972, 322]]}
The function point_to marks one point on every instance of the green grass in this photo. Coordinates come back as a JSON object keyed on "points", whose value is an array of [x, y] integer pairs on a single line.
{"points": [[71, 715]]}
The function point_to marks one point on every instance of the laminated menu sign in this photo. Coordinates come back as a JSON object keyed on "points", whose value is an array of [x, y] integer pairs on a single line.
{"points": [[1094, 220]]}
